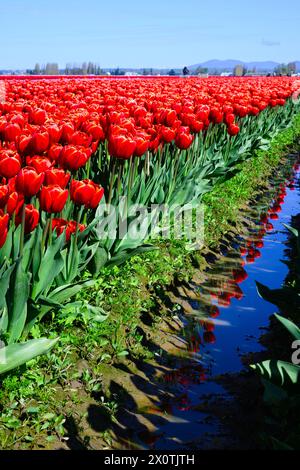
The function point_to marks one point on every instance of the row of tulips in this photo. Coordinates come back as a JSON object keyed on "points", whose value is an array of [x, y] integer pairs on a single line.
{"points": [[69, 145]]}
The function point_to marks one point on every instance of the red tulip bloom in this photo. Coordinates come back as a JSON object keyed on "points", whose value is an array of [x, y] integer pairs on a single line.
{"points": [[29, 182], [53, 198], [3, 228], [70, 227], [37, 116], [10, 163], [54, 133], [3, 195], [32, 217], [40, 164], [233, 129], [23, 144], [142, 145], [183, 138], [12, 131], [121, 146], [167, 134], [12, 202], [73, 157], [86, 193], [54, 152], [39, 142], [57, 176]]}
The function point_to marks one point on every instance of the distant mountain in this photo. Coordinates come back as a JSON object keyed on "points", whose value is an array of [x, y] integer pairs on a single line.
{"points": [[228, 65]]}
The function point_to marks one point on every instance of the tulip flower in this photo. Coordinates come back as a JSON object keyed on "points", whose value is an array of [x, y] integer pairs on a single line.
{"points": [[39, 142], [12, 202], [183, 138], [40, 164], [121, 146], [37, 116], [29, 182], [12, 131], [73, 157], [53, 198], [70, 227], [32, 217], [57, 176], [86, 193], [10, 163], [233, 129], [3, 195]]}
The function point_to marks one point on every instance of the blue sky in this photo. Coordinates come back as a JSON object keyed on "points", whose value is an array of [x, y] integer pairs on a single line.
{"points": [[158, 33]]}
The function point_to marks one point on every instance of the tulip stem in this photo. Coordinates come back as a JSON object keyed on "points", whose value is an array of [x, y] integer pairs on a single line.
{"points": [[120, 177], [45, 233], [22, 235], [112, 179]]}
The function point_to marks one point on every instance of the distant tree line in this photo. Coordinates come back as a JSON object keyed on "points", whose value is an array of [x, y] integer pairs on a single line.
{"points": [[87, 68]]}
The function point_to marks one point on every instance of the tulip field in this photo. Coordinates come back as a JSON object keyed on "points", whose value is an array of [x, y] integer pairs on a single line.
{"points": [[70, 147]]}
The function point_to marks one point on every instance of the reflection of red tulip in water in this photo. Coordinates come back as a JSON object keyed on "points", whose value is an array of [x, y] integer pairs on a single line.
{"points": [[209, 337], [214, 311], [239, 275]]}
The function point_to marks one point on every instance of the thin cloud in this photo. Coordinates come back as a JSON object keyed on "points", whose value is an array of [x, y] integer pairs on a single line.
{"points": [[268, 43]]}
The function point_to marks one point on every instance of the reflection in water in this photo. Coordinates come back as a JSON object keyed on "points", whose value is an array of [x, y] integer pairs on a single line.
{"points": [[227, 319]]}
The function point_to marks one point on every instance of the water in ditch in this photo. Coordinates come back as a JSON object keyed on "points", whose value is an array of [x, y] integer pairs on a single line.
{"points": [[227, 321]]}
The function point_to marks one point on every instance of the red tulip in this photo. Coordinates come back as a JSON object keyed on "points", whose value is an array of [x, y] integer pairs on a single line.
{"points": [[28, 181], [40, 164], [12, 131], [233, 129], [39, 142], [54, 152], [3, 228], [57, 176], [37, 116], [12, 202], [72, 157], [32, 217], [53, 198], [183, 138], [120, 146], [86, 193], [10, 163], [61, 225], [3, 195], [142, 145]]}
